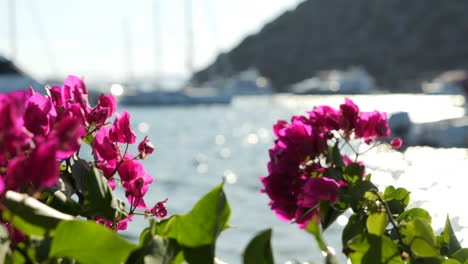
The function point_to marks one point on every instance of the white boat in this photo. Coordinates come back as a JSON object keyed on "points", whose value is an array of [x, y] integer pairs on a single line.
{"points": [[353, 81]]}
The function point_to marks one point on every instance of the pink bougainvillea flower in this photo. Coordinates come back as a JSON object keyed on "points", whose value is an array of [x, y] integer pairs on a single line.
{"points": [[135, 180], [396, 143], [108, 167], [372, 124], [349, 112], [159, 210], [106, 107], [316, 189], [121, 130], [325, 117], [135, 191], [68, 133], [145, 148], [75, 92], [39, 115], [104, 148], [39, 169], [120, 225]]}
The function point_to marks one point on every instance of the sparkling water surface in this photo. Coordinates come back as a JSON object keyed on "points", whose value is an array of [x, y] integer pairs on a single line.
{"points": [[198, 146]]}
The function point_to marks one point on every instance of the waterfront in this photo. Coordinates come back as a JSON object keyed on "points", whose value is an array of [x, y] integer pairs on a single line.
{"points": [[198, 146]]}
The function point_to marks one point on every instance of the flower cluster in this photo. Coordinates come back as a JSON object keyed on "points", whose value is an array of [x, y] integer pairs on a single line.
{"points": [[302, 165], [40, 133]]}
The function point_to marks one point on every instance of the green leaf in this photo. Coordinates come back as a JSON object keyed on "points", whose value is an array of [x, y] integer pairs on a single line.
{"points": [[59, 201], [353, 173], [461, 255], [418, 234], [100, 200], [155, 250], [449, 238], [197, 231], [400, 194], [376, 223], [30, 215], [88, 242], [412, 213], [337, 158], [328, 214], [334, 173], [355, 226], [314, 228], [202, 225], [259, 249], [357, 192], [451, 261], [371, 249]]}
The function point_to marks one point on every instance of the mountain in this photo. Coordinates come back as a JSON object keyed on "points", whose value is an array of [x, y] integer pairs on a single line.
{"points": [[12, 78], [399, 42]]}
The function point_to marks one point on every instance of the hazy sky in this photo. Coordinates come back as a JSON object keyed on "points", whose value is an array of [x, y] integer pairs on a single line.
{"points": [[113, 39]]}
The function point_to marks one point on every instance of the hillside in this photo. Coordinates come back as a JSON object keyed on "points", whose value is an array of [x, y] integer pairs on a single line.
{"points": [[396, 41]]}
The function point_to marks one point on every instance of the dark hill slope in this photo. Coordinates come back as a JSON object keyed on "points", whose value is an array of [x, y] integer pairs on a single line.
{"points": [[395, 40]]}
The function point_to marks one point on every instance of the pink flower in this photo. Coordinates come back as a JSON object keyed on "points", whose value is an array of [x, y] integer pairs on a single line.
{"points": [[39, 115], [40, 168], [325, 117], [120, 225], [372, 124], [145, 148], [105, 108], [396, 143], [68, 133], [104, 148], [135, 181], [349, 112], [316, 189], [121, 130], [159, 210], [75, 92]]}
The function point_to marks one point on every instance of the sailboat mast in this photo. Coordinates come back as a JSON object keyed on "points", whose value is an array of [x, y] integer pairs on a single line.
{"points": [[157, 38], [128, 67], [189, 36], [12, 24]]}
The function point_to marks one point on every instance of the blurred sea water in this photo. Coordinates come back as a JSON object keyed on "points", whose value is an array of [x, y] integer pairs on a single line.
{"points": [[198, 146]]}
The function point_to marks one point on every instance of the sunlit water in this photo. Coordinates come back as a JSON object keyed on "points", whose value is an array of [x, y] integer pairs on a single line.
{"points": [[196, 147]]}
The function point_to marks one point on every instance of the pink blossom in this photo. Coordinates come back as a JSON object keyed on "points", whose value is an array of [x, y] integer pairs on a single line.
{"points": [[135, 180], [104, 148], [75, 92], [159, 210], [145, 148], [316, 189], [372, 124], [325, 117], [120, 225], [40, 168], [349, 112], [68, 133], [106, 107], [121, 130], [396, 143]]}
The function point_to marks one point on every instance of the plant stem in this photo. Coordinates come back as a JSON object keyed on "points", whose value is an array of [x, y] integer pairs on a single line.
{"points": [[392, 221]]}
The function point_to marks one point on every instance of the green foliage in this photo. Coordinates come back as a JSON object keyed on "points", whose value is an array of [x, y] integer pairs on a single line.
{"points": [[189, 237], [258, 251], [449, 240], [88, 242], [30, 215], [100, 200], [419, 236]]}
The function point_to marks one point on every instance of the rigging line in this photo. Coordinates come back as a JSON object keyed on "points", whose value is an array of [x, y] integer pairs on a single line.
{"points": [[36, 20], [12, 23], [158, 39]]}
